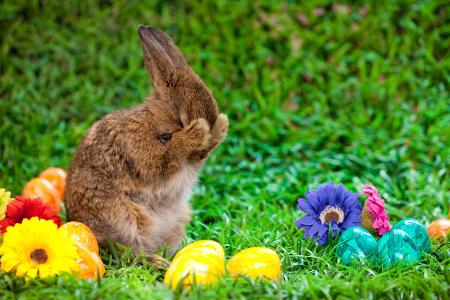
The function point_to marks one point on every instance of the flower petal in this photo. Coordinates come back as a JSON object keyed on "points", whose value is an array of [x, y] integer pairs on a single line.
{"points": [[334, 228], [305, 206], [323, 239], [315, 229], [312, 198], [305, 221]]}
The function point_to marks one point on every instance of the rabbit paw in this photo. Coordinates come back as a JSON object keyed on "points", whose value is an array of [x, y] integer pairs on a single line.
{"points": [[220, 129], [198, 134]]}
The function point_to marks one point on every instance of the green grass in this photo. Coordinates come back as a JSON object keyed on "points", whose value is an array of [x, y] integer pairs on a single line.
{"points": [[350, 93]]}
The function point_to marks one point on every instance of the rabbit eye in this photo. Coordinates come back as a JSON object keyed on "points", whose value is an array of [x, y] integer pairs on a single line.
{"points": [[164, 137]]}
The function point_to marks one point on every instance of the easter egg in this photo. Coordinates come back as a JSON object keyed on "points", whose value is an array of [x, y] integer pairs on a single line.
{"points": [[416, 231], [403, 244], [82, 234], [255, 262], [43, 189], [213, 245], [91, 265], [396, 247], [200, 263], [57, 177], [356, 244], [439, 229]]}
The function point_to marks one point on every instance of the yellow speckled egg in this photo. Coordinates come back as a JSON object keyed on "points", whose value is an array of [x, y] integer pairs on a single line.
{"points": [[202, 263], [255, 262]]}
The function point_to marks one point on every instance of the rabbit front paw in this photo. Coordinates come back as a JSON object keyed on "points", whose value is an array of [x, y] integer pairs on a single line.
{"points": [[198, 135], [219, 129]]}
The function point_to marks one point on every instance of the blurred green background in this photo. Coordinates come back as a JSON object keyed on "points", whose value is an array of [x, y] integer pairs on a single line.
{"points": [[352, 92]]}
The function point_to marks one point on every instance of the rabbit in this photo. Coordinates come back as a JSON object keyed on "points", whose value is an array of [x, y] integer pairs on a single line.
{"points": [[131, 176]]}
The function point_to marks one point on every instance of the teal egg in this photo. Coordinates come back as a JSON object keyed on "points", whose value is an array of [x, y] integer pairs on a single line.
{"points": [[356, 244], [396, 247], [416, 231], [403, 244]]}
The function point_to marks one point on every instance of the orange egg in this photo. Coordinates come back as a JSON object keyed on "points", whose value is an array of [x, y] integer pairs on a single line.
{"points": [[91, 265], [439, 229], [42, 188], [57, 178], [82, 234]]}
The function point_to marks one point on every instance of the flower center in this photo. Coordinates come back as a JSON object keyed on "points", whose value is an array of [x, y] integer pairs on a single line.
{"points": [[39, 256], [331, 214]]}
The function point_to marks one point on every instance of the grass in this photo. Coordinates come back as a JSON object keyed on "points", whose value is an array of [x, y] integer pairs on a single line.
{"points": [[315, 92]]}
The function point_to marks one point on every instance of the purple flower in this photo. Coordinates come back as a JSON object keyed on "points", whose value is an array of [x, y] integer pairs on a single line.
{"points": [[330, 206]]}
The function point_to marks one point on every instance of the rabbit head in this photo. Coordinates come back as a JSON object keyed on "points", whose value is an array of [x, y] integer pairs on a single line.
{"points": [[173, 80]]}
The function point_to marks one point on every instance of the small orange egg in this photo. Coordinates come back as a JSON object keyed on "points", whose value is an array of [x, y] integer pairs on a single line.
{"points": [[57, 178], [91, 265], [439, 229], [42, 188], [82, 234]]}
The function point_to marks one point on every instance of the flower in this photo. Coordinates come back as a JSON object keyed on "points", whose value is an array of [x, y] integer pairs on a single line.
{"points": [[25, 208], [5, 198], [374, 216], [330, 206], [36, 247]]}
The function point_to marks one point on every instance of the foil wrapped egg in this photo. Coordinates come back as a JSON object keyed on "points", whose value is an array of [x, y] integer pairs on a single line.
{"points": [[255, 262], [201, 263], [403, 244], [356, 244]]}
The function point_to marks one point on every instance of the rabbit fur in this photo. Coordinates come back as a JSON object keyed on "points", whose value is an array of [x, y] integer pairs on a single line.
{"points": [[132, 174]]}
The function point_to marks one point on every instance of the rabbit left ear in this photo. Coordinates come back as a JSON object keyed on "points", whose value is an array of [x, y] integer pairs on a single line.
{"points": [[157, 62], [169, 46]]}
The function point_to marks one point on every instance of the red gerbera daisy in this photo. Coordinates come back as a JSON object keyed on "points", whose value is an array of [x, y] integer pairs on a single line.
{"points": [[25, 208]]}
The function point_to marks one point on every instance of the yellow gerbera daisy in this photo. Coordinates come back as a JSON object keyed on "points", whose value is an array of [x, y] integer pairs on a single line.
{"points": [[5, 198], [36, 247]]}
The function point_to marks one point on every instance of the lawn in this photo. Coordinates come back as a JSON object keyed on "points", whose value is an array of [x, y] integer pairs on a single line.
{"points": [[352, 92]]}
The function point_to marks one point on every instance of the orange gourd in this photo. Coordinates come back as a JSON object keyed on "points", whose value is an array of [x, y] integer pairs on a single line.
{"points": [[82, 234], [42, 188], [57, 177], [91, 265], [439, 229]]}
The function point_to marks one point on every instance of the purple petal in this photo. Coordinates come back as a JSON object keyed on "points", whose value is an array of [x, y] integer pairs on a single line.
{"points": [[351, 220], [305, 206], [312, 198], [315, 229], [340, 190], [323, 239], [322, 197], [305, 221], [307, 230], [330, 194], [334, 228], [349, 200], [323, 230]]}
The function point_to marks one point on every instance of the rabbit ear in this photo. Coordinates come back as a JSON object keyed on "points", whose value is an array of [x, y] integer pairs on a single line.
{"points": [[169, 46], [158, 63]]}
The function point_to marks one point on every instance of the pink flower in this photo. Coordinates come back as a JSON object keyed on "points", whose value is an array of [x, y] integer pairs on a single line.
{"points": [[374, 216]]}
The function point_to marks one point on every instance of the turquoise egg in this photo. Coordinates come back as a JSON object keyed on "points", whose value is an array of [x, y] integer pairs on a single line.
{"points": [[356, 244], [403, 244], [397, 246], [416, 231]]}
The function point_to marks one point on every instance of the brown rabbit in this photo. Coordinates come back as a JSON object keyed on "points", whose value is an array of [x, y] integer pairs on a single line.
{"points": [[132, 174]]}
